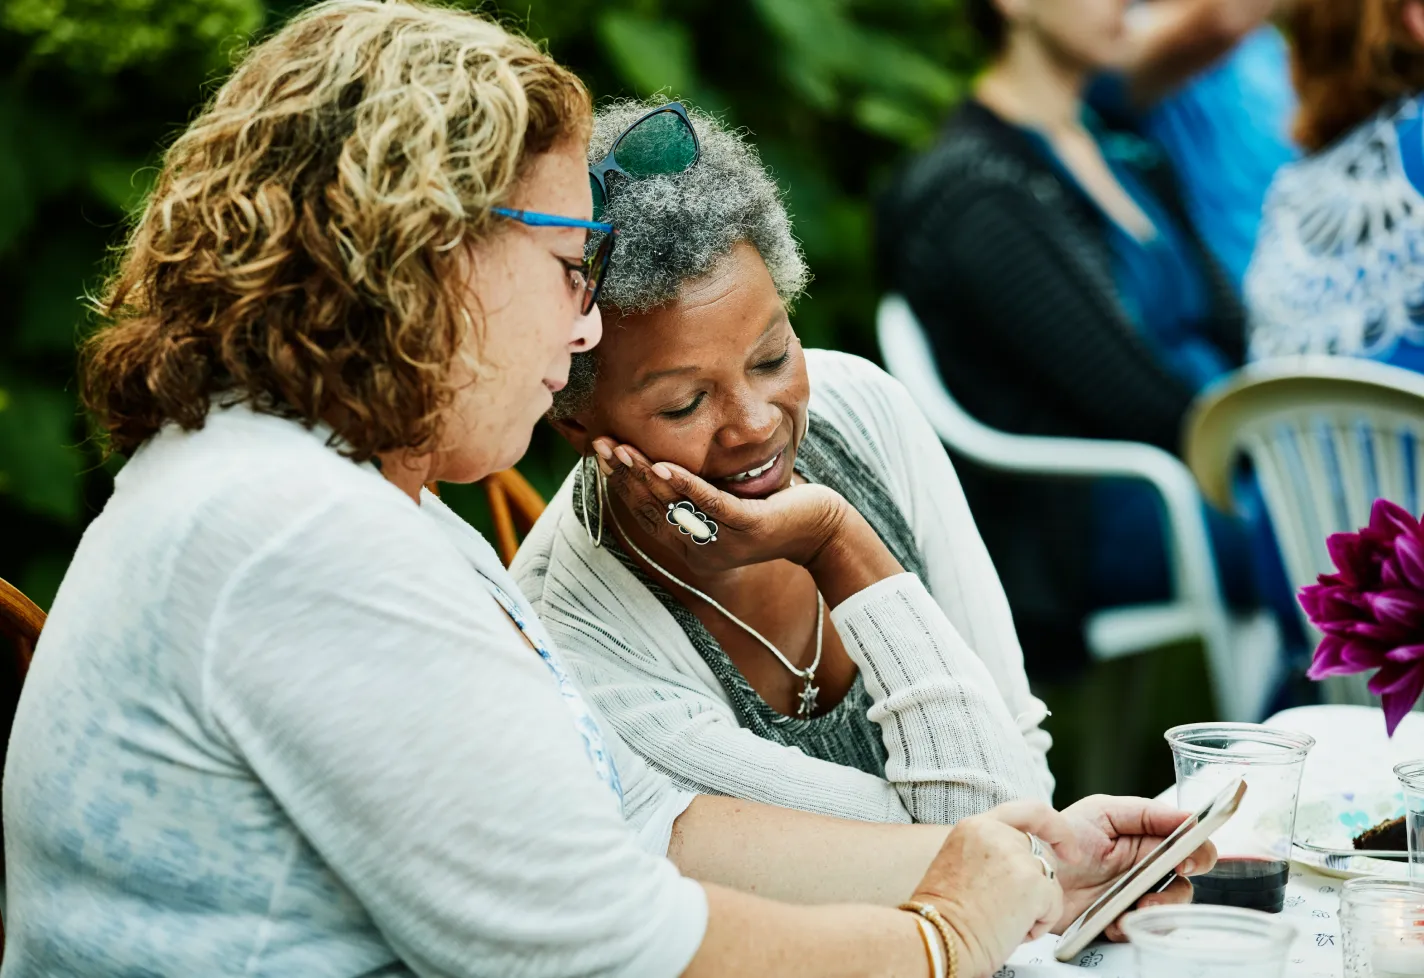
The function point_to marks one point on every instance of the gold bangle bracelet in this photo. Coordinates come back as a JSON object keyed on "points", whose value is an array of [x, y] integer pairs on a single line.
{"points": [[931, 942], [932, 914]]}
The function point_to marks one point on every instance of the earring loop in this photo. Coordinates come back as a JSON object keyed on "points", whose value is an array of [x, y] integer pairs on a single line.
{"points": [[596, 540]]}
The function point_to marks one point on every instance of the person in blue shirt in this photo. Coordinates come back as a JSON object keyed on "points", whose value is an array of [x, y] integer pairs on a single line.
{"points": [[1210, 84], [1339, 268]]}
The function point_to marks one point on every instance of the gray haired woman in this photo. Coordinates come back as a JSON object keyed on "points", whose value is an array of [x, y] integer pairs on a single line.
{"points": [[908, 702]]}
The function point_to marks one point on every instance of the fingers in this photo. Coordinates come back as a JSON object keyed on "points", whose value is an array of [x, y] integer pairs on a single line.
{"points": [[1113, 932], [1051, 914], [683, 483], [631, 476], [1041, 820], [1199, 862], [1180, 891], [1131, 816]]}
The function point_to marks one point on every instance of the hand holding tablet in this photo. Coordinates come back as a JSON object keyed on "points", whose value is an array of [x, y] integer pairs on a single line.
{"points": [[1152, 873]]}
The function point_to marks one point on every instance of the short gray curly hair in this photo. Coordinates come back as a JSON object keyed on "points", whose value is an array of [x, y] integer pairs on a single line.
{"points": [[674, 228]]}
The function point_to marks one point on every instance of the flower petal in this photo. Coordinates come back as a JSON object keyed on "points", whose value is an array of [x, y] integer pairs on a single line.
{"points": [[1332, 608], [1347, 551], [1327, 660], [1390, 519], [1398, 608], [1401, 699], [1394, 677], [1336, 656], [1363, 655], [1405, 653], [1310, 598], [1371, 632], [1409, 557]]}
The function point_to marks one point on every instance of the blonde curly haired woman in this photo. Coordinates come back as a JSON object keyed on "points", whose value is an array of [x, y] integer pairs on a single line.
{"points": [[289, 716]]}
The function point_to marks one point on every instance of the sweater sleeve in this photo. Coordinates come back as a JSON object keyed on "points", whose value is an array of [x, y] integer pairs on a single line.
{"points": [[1028, 292], [960, 574], [422, 748], [694, 738], [953, 750]]}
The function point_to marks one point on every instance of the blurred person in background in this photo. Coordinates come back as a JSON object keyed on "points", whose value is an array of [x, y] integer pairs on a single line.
{"points": [[1209, 82], [1339, 268], [1065, 292], [735, 678], [289, 715]]}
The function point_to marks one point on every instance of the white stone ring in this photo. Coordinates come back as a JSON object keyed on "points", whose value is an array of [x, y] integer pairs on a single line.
{"points": [[1040, 852], [691, 523]]}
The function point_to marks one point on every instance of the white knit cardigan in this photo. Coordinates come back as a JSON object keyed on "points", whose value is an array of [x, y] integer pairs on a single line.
{"points": [[945, 673]]}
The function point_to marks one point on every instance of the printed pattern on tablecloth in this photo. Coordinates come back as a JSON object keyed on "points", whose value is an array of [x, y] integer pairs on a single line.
{"points": [[1312, 905]]}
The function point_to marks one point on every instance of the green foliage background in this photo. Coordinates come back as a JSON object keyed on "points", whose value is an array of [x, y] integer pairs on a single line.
{"points": [[834, 91]]}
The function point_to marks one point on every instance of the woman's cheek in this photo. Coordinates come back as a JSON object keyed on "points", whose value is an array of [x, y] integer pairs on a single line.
{"points": [[682, 444]]}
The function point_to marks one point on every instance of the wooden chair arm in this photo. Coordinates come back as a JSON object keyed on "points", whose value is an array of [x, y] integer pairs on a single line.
{"points": [[22, 620]]}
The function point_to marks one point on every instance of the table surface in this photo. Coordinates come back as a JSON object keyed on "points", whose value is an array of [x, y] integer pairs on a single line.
{"points": [[1351, 751]]}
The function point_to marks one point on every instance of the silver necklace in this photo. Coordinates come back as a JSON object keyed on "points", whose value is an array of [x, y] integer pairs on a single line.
{"points": [[809, 691]]}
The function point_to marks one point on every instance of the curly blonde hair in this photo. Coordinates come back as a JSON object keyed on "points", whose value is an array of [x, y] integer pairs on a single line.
{"points": [[301, 250], [1350, 58]]}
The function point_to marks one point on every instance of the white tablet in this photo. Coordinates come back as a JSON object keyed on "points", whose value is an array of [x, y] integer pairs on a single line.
{"points": [[1150, 873]]}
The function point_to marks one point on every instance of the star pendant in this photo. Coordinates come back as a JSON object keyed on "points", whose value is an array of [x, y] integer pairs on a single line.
{"points": [[808, 698]]}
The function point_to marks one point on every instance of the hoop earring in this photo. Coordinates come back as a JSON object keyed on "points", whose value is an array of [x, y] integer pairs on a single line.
{"points": [[596, 539]]}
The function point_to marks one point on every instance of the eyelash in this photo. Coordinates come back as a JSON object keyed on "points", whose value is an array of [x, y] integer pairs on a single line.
{"points": [[770, 366], [574, 270], [678, 414]]}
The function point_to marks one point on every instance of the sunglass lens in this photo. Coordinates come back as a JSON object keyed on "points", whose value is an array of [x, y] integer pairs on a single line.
{"points": [[597, 189], [598, 266], [661, 143]]}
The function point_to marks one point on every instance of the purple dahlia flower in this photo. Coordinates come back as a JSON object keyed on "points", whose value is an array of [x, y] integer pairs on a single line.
{"points": [[1371, 611]]}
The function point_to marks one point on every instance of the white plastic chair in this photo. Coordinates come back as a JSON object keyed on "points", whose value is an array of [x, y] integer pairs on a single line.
{"points": [[1327, 437], [1242, 654]]}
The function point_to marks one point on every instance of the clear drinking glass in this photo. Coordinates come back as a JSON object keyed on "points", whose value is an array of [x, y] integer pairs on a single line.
{"points": [[1382, 928], [1255, 845], [1188, 941], [1411, 780]]}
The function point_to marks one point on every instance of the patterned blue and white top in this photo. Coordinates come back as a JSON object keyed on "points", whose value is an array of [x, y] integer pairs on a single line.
{"points": [[1339, 265]]}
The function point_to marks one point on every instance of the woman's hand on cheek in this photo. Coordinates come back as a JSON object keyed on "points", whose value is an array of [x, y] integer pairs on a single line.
{"points": [[794, 524]]}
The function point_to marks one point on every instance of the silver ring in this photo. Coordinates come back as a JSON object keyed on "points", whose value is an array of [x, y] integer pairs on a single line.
{"points": [[1040, 852], [692, 523]]}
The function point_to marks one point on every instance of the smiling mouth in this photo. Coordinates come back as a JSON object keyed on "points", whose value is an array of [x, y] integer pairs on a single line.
{"points": [[750, 474]]}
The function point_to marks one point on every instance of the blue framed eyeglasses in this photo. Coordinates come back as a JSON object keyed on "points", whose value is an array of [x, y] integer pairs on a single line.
{"points": [[595, 266]]}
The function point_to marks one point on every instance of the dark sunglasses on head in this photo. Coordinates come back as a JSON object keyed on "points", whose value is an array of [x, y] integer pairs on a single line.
{"points": [[595, 266], [660, 142]]}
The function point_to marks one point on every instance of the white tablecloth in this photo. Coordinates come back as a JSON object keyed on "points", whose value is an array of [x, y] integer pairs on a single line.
{"points": [[1351, 751]]}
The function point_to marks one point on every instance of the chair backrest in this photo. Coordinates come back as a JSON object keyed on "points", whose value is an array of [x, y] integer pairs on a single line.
{"points": [[1326, 437], [910, 360], [514, 506]]}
